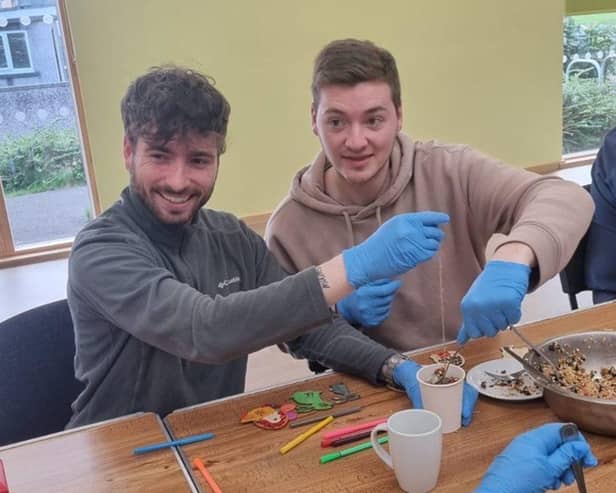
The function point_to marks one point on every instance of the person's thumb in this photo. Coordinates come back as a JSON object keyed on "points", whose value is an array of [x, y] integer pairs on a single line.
{"points": [[431, 218], [568, 453], [394, 285], [414, 394], [462, 336], [384, 289], [469, 399]]}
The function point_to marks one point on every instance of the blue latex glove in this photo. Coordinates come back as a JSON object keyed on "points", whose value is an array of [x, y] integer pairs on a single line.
{"points": [[494, 300], [369, 305], [405, 375], [397, 246], [536, 461], [469, 400]]}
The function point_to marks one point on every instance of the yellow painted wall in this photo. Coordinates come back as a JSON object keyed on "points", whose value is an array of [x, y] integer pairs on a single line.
{"points": [[482, 72], [574, 7]]}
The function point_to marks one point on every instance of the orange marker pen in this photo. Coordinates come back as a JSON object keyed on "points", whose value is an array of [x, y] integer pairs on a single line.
{"points": [[198, 463]]}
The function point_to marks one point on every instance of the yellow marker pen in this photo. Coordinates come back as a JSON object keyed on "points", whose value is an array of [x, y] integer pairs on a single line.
{"points": [[300, 438]]}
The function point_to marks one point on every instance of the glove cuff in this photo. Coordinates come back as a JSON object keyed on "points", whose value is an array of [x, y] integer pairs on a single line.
{"points": [[352, 263], [341, 308], [401, 371], [513, 267]]}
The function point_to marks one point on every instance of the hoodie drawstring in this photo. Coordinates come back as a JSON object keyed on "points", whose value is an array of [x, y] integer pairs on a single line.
{"points": [[442, 294], [349, 225], [379, 219], [349, 229]]}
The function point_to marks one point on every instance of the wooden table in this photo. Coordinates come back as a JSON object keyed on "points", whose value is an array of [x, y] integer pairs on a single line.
{"points": [[246, 458], [97, 458]]}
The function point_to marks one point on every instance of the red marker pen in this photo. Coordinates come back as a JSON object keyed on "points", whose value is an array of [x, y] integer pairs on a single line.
{"points": [[4, 485]]}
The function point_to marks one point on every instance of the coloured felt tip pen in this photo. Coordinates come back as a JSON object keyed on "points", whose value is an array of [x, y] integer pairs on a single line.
{"points": [[173, 443], [340, 432], [351, 450], [4, 487], [335, 414], [198, 463], [300, 438], [353, 437]]}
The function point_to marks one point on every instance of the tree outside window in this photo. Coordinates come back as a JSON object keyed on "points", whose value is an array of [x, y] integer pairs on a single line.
{"points": [[589, 80]]}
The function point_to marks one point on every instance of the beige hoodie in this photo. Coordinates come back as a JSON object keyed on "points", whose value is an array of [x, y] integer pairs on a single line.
{"points": [[482, 196]]}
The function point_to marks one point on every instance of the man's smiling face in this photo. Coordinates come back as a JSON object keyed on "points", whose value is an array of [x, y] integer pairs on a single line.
{"points": [[174, 178]]}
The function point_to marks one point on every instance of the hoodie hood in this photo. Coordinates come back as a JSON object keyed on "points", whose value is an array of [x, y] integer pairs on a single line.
{"points": [[308, 187]]}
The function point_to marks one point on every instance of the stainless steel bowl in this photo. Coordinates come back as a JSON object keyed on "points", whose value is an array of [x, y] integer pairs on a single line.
{"points": [[590, 414]]}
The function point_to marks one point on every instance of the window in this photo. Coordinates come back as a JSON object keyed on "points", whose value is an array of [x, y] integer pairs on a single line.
{"points": [[14, 52], [46, 191], [589, 80]]}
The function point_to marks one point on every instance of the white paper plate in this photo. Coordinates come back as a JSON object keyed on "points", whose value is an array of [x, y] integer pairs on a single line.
{"points": [[486, 385]]}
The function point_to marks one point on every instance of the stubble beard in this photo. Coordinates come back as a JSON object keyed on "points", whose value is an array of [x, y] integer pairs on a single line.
{"points": [[153, 207]]}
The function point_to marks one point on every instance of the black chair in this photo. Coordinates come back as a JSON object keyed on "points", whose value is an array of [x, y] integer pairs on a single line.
{"points": [[572, 279], [37, 381], [572, 276]]}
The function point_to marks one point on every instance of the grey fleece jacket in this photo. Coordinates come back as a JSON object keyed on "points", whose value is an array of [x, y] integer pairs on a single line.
{"points": [[165, 315]]}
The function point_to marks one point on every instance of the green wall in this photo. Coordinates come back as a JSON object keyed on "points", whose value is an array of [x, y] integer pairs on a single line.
{"points": [[480, 72], [574, 7]]}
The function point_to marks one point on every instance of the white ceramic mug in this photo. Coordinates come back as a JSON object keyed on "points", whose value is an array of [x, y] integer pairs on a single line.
{"points": [[444, 399], [415, 445]]}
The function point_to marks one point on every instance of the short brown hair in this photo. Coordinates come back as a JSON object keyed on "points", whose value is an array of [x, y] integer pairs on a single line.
{"points": [[349, 62], [169, 101]]}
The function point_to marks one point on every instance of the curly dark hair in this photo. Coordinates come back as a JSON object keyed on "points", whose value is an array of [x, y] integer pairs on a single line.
{"points": [[171, 101], [348, 62]]}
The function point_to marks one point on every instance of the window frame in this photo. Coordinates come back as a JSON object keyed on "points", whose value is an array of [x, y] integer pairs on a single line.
{"points": [[6, 47], [55, 249]]}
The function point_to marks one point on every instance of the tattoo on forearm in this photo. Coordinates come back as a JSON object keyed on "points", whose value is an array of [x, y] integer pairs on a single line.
{"points": [[322, 278]]}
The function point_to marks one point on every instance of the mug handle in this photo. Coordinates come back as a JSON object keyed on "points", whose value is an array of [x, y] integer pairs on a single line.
{"points": [[378, 448]]}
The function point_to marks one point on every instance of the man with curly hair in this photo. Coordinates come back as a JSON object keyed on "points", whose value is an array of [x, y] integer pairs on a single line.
{"points": [[168, 297]]}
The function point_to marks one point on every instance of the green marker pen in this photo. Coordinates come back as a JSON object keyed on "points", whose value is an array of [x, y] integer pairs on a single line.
{"points": [[351, 450]]}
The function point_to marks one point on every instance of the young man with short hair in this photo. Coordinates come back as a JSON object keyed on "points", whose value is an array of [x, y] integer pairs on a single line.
{"points": [[369, 171]]}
